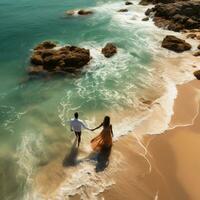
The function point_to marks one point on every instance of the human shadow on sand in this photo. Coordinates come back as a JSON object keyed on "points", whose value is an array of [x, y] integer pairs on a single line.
{"points": [[71, 157], [101, 158]]}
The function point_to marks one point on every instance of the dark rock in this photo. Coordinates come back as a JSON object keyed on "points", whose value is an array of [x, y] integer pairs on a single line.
{"points": [[36, 59], [128, 3], [196, 54], [145, 2], [174, 26], [109, 50], [145, 19], [198, 47], [175, 44], [192, 24], [123, 10], [176, 16], [191, 35], [68, 59], [149, 11], [45, 45], [85, 12], [197, 74]]}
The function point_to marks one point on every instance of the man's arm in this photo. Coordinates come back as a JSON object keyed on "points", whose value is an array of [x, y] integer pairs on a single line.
{"points": [[84, 126]]}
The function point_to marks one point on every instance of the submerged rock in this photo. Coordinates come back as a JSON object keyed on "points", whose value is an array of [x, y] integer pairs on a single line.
{"points": [[128, 3], [145, 19], [109, 50], [70, 12], [123, 10], [78, 12], [175, 44], [197, 74], [68, 59]]}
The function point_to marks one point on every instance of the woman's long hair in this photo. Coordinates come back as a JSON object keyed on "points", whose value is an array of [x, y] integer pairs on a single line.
{"points": [[106, 122]]}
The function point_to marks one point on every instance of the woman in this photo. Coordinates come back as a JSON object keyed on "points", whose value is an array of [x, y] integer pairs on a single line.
{"points": [[104, 139]]}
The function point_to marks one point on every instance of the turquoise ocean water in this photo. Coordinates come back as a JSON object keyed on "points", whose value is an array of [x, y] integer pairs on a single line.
{"points": [[34, 114]]}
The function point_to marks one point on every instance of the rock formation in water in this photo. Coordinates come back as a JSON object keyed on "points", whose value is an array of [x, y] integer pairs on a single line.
{"points": [[145, 19], [79, 12], [47, 60], [85, 12], [196, 54], [147, 2], [128, 3], [197, 74], [123, 10], [109, 50], [175, 44], [176, 16]]}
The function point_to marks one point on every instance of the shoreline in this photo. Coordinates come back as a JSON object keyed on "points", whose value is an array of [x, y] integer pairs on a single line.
{"points": [[145, 177], [166, 167]]}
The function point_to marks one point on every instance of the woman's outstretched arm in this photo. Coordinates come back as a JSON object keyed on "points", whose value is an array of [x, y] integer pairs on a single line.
{"points": [[111, 130], [97, 127]]}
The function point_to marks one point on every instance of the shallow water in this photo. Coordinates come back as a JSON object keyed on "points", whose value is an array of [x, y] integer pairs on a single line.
{"points": [[34, 115]]}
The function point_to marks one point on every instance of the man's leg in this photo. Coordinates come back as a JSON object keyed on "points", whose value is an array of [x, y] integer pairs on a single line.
{"points": [[79, 138], [78, 135]]}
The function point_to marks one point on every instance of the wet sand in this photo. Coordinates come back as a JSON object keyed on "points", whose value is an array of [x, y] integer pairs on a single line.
{"points": [[160, 167], [164, 166]]}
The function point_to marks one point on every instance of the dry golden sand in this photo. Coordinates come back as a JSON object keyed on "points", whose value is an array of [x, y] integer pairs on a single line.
{"points": [[174, 156]]}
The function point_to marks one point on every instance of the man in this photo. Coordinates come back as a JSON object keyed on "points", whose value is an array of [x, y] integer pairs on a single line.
{"points": [[76, 125]]}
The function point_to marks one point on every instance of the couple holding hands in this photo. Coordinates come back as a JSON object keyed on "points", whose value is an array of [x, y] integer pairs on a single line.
{"points": [[103, 140]]}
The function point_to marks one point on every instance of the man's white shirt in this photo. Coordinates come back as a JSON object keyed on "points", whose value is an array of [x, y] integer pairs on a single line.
{"points": [[76, 125]]}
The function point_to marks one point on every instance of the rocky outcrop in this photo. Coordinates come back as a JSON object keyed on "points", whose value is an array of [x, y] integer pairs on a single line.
{"points": [[147, 2], [109, 50], [176, 16], [123, 10], [198, 47], [175, 44], [197, 74], [68, 59]]}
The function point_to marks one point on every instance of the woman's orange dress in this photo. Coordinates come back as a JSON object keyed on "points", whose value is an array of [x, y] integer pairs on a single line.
{"points": [[104, 139]]}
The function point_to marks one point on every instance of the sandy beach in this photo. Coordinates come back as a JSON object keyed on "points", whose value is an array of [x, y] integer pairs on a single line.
{"points": [[168, 166], [163, 166]]}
